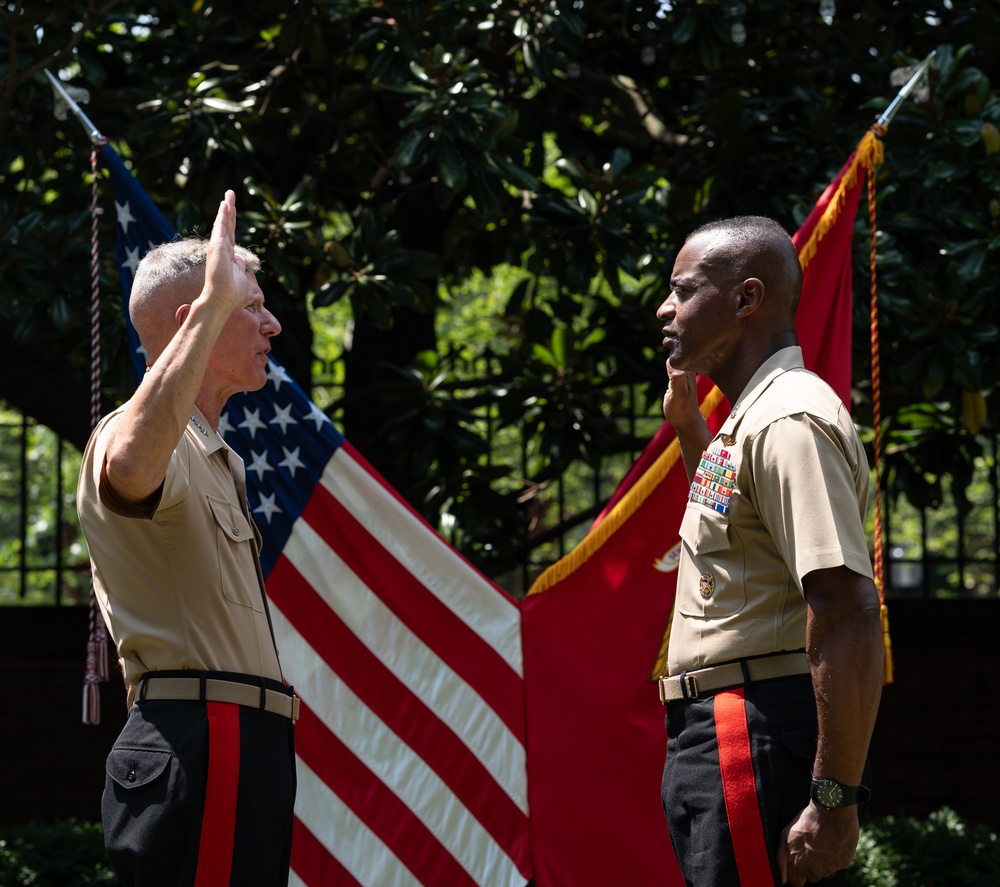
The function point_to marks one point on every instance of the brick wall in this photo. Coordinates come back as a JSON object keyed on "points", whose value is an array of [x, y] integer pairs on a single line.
{"points": [[935, 742]]}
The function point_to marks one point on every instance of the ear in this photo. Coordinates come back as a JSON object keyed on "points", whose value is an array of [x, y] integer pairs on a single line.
{"points": [[181, 313], [751, 296]]}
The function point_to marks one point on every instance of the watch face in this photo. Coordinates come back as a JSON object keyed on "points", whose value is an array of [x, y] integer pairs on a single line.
{"points": [[829, 793]]}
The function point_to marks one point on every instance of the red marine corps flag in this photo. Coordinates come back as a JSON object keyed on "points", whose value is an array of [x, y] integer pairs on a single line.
{"points": [[449, 734]]}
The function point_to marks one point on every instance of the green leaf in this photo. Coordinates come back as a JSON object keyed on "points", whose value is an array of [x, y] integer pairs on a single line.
{"points": [[573, 169], [332, 291], [559, 336], [411, 148], [544, 355], [587, 202], [451, 166], [517, 175], [971, 267]]}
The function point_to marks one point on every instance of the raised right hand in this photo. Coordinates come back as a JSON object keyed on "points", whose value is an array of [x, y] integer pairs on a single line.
{"points": [[225, 271]]}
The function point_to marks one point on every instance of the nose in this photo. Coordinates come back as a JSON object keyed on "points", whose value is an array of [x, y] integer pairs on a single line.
{"points": [[665, 310], [269, 325]]}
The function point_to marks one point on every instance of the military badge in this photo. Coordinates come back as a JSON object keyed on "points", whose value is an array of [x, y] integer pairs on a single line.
{"points": [[714, 480]]}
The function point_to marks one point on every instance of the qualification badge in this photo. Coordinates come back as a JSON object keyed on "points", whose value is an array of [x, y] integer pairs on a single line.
{"points": [[706, 585]]}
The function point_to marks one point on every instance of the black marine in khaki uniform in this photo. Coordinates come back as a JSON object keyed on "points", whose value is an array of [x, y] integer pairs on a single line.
{"points": [[775, 656]]}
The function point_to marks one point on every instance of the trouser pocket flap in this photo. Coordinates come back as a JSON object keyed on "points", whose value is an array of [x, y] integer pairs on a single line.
{"points": [[135, 767]]}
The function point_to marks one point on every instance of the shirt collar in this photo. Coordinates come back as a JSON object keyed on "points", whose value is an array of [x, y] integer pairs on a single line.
{"points": [[781, 361], [200, 430]]}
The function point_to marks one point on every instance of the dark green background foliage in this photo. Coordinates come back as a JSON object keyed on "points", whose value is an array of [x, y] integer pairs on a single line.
{"points": [[942, 850], [385, 153], [54, 854]]}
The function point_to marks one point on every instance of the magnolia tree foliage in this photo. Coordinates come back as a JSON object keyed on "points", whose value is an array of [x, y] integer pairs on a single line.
{"points": [[388, 155]]}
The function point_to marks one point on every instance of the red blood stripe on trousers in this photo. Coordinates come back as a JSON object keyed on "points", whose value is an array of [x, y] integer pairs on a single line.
{"points": [[740, 790], [417, 606], [403, 712], [218, 823], [381, 810]]}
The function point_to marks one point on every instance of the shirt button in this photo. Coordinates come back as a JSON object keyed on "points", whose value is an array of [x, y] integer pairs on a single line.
{"points": [[236, 531]]}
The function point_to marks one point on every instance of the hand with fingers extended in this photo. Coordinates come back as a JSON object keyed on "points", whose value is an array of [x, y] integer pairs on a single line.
{"points": [[225, 270]]}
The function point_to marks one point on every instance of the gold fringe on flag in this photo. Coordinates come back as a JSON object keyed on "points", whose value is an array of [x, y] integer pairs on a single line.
{"points": [[867, 156], [879, 564]]}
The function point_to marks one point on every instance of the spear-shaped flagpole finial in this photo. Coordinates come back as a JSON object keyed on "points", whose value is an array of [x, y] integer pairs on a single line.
{"points": [[886, 117], [93, 133]]}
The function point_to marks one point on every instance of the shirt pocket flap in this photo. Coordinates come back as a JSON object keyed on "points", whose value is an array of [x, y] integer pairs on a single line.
{"points": [[231, 520], [134, 767], [704, 531], [713, 581]]}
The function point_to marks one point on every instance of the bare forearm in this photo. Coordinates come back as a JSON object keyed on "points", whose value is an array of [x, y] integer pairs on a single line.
{"points": [[846, 654], [154, 419], [145, 435], [844, 642]]}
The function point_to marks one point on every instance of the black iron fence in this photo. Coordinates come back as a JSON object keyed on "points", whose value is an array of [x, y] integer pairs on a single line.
{"points": [[948, 551], [43, 557], [940, 552]]}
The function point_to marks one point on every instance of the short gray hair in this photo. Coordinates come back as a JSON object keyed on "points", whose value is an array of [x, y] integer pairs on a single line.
{"points": [[178, 262]]}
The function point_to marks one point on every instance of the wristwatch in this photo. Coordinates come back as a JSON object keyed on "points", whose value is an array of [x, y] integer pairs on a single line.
{"points": [[831, 794]]}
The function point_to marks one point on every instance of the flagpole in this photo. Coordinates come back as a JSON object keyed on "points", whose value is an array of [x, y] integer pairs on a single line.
{"points": [[886, 118], [93, 133]]}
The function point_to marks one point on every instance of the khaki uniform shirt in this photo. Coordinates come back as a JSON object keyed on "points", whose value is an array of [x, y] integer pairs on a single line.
{"points": [[179, 581], [781, 491]]}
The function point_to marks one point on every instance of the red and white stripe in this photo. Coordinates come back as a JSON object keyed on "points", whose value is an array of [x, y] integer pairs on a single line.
{"points": [[411, 747]]}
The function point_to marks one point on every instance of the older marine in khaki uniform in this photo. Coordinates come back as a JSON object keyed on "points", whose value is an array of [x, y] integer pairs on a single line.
{"points": [[200, 784]]}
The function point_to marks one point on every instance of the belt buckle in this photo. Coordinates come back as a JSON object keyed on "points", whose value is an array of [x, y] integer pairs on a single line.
{"points": [[689, 685], [295, 708]]}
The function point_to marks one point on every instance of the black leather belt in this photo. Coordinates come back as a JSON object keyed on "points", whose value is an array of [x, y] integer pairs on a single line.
{"points": [[704, 681]]}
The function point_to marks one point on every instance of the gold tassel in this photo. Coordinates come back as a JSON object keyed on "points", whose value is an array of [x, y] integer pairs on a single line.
{"points": [[887, 669]]}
